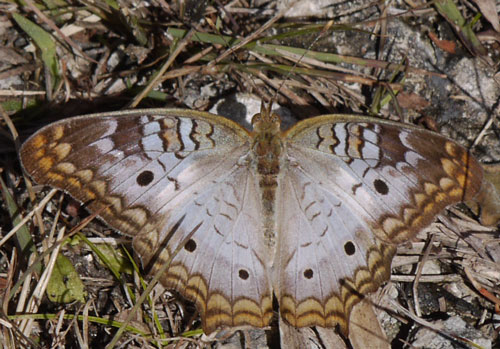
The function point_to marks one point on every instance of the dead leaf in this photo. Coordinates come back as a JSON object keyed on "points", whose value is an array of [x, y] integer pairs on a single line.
{"points": [[489, 11], [365, 330], [412, 101], [292, 337], [487, 202], [445, 45]]}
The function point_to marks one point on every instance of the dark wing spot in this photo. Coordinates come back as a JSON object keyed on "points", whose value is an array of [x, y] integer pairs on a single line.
{"points": [[190, 245], [380, 186], [308, 273], [355, 188], [349, 248], [144, 178], [175, 181], [243, 274]]}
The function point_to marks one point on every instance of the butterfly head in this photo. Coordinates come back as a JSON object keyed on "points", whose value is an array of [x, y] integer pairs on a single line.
{"points": [[266, 121]]}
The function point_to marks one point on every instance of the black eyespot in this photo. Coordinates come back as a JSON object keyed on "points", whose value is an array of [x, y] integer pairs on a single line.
{"points": [[145, 178], [190, 246], [380, 186], [243, 274], [349, 248], [308, 273]]}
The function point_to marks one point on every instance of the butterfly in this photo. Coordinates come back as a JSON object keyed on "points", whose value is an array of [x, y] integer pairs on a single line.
{"points": [[311, 215]]}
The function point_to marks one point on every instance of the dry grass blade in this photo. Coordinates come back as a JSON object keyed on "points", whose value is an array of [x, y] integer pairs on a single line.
{"points": [[152, 84], [38, 292]]}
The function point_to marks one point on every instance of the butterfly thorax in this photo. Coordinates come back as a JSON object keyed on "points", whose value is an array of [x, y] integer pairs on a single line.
{"points": [[267, 148]]}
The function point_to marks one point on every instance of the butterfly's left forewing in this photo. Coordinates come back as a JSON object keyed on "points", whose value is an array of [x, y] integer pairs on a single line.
{"points": [[114, 162]]}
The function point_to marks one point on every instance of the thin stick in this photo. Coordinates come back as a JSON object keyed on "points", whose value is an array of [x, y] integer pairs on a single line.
{"points": [[419, 273], [158, 77], [37, 208]]}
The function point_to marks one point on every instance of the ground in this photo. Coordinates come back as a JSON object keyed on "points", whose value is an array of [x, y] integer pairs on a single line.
{"points": [[436, 66]]}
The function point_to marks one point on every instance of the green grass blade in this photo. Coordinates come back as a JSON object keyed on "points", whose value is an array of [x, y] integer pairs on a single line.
{"points": [[44, 41]]}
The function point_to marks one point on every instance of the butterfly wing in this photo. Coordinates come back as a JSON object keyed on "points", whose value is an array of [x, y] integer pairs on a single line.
{"points": [[164, 177], [352, 190], [326, 257]]}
